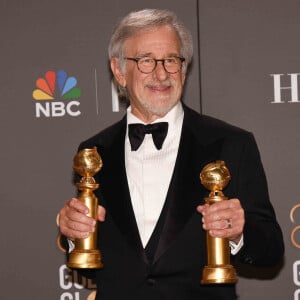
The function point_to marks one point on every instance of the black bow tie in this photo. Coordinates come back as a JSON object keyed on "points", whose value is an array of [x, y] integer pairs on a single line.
{"points": [[137, 133]]}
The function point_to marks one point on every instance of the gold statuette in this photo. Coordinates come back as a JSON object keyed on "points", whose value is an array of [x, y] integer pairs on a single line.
{"points": [[85, 255], [215, 177]]}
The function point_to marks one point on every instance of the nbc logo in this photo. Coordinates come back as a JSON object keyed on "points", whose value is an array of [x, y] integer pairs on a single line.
{"points": [[56, 85]]}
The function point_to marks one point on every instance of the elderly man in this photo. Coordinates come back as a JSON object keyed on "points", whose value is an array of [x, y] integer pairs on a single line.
{"points": [[152, 207]]}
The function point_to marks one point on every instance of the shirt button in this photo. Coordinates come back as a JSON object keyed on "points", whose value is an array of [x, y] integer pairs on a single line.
{"points": [[151, 281], [248, 260]]}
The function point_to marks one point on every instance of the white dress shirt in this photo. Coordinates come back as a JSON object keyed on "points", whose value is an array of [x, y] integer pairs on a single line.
{"points": [[149, 171]]}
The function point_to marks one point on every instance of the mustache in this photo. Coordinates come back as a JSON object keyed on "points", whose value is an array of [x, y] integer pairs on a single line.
{"points": [[161, 85]]}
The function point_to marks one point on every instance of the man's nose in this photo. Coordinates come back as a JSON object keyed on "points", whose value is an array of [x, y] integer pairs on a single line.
{"points": [[160, 71]]}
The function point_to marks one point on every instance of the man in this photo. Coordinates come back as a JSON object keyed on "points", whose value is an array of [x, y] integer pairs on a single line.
{"points": [[152, 202]]}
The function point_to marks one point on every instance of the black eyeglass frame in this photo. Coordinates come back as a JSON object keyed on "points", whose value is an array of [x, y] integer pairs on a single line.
{"points": [[163, 60]]}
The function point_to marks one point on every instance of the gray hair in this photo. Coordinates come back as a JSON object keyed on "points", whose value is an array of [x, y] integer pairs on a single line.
{"points": [[136, 21]]}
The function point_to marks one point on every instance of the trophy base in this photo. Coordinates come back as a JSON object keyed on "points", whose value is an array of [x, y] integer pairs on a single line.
{"points": [[219, 274], [85, 259]]}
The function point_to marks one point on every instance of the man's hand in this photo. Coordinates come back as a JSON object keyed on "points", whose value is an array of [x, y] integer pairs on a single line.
{"points": [[224, 219], [74, 222]]}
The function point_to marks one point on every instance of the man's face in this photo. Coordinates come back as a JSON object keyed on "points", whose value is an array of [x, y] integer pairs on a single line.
{"points": [[152, 95]]}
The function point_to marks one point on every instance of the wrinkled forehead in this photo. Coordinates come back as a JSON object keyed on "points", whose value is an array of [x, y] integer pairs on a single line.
{"points": [[154, 38]]}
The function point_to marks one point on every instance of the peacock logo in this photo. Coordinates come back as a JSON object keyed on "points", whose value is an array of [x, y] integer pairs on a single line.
{"points": [[55, 94]]}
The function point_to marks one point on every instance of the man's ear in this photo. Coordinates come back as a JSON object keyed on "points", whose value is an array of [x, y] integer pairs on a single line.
{"points": [[118, 74]]}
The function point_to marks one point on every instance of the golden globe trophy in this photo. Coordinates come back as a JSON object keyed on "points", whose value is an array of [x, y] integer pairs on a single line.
{"points": [[215, 177], [85, 255]]}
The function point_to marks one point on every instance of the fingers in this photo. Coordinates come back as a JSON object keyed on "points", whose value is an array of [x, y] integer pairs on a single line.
{"points": [[77, 205], [101, 213], [224, 219], [73, 220]]}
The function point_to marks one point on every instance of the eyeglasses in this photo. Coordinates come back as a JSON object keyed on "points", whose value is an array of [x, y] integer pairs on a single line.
{"points": [[147, 65]]}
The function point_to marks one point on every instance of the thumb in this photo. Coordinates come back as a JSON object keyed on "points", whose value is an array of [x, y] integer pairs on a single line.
{"points": [[101, 213]]}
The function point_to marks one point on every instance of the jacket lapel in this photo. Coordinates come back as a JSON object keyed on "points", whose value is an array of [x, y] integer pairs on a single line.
{"points": [[116, 191], [186, 192]]}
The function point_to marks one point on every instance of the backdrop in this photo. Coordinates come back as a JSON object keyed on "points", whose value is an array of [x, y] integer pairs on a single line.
{"points": [[245, 71]]}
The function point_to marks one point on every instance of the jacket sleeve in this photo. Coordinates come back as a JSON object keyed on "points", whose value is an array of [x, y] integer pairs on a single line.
{"points": [[263, 240]]}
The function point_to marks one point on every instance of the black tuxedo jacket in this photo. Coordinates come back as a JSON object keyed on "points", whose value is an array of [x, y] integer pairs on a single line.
{"points": [[170, 266]]}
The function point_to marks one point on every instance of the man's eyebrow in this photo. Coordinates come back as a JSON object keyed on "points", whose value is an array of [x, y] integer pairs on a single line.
{"points": [[144, 54]]}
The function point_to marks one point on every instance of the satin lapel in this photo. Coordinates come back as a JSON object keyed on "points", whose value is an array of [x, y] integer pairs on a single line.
{"points": [[116, 192], [185, 191]]}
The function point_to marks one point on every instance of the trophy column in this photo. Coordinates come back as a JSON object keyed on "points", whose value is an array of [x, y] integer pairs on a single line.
{"points": [[215, 176], [87, 163]]}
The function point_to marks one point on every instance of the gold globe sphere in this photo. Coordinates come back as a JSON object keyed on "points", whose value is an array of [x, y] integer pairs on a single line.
{"points": [[215, 176], [87, 162]]}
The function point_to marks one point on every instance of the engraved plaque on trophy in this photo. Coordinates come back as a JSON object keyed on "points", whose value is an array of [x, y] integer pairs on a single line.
{"points": [[87, 163], [215, 177]]}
